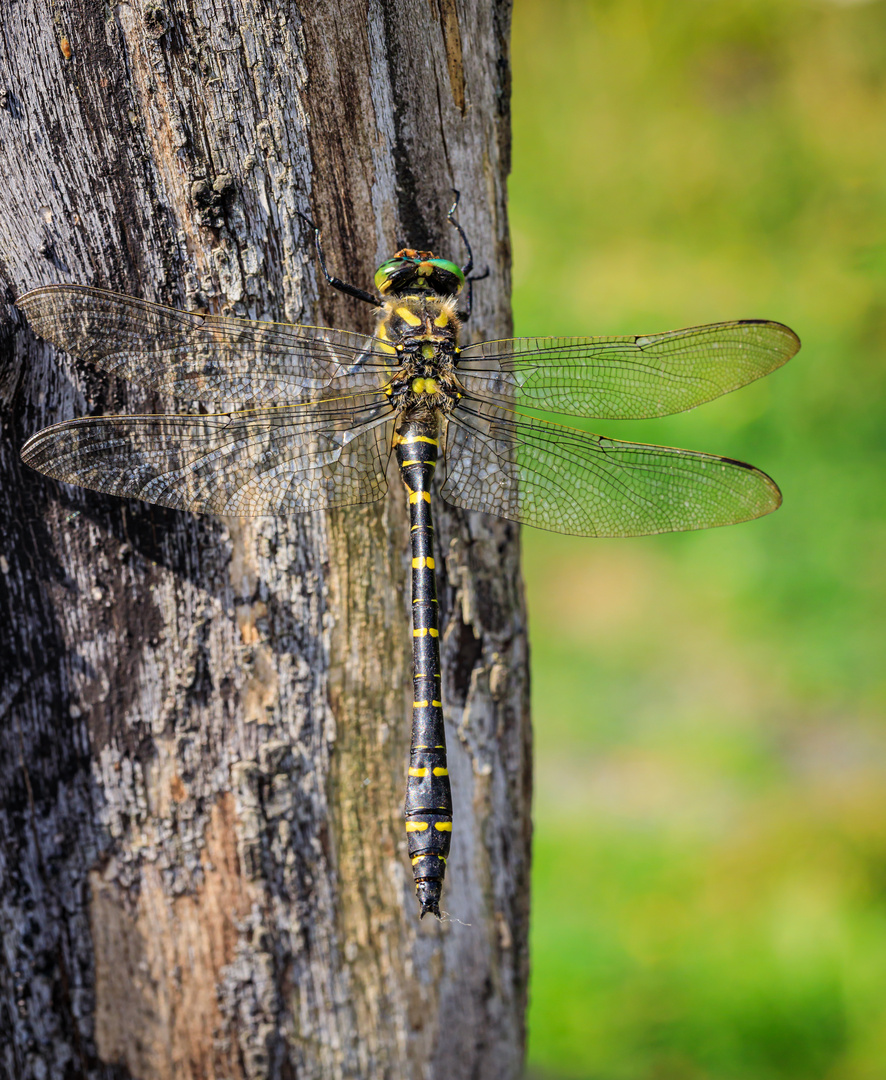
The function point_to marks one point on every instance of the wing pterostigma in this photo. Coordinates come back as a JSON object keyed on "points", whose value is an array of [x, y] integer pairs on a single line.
{"points": [[537, 473], [626, 378]]}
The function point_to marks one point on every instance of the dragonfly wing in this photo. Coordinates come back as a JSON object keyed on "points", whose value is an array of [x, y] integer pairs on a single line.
{"points": [[289, 459], [553, 477], [620, 378], [204, 357]]}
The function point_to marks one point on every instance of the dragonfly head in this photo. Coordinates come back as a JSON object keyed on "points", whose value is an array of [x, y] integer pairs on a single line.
{"points": [[412, 271]]}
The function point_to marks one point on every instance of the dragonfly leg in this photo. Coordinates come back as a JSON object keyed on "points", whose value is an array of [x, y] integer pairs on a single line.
{"points": [[465, 313], [335, 282], [469, 265]]}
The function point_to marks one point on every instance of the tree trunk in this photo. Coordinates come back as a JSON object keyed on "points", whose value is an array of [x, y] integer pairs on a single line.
{"points": [[205, 721]]}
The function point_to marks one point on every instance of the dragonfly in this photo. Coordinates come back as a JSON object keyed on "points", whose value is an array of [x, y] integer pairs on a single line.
{"points": [[320, 411]]}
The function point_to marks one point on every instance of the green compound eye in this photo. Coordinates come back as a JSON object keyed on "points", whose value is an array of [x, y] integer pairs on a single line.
{"points": [[418, 272], [385, 273], [443, 266]]}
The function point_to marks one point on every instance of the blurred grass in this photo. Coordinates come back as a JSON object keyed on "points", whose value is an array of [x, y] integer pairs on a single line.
{"points": [[710, 852]]}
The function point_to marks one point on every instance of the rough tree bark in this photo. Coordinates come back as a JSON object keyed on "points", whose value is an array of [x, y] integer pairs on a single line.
{"points": [[205, 722]]}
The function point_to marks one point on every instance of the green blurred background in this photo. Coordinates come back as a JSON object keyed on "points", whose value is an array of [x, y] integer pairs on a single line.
{"points": [[710, 849]]}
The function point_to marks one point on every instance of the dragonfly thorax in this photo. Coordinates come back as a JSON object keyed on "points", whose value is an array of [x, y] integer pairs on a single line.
{"points": [[422, 333], [408, 322]]}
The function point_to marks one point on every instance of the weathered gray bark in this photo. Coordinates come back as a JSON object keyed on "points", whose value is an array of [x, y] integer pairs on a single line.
{"points": [[205, 722]]}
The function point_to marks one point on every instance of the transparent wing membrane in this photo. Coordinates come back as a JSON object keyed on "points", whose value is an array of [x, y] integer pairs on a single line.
{"points": [[326, 437], [553, 477], [285, 460], [204, 357], [621, 378]]}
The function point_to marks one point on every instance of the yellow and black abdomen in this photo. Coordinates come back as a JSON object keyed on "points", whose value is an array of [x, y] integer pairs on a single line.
{"points": [[428, 798]]}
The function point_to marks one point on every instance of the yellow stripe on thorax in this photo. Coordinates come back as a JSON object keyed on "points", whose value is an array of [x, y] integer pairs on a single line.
{"points": [[407, 316]]}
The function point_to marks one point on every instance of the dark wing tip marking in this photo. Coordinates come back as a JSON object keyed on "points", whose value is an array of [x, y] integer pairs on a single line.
{"points": [[781, 327], [635, 377], [777, 497], [526, 469]]}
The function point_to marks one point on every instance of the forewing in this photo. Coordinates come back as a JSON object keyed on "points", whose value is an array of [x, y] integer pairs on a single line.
{"points": [[620, 378], [204, 357], [289, 459], [553, 477]]}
